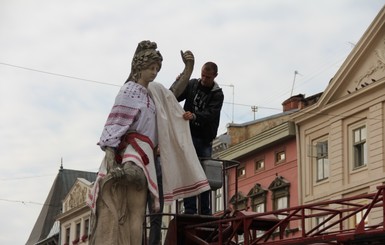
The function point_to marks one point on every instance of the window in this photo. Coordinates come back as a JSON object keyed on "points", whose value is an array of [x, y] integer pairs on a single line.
{"points": [[180, 206], [359, 217], [320, 222], [218, 199], [240, 239], [259, 165], [87, 226], [322, 160], [241, 172], [77, 234], [77, 230], [280, 156], [257, 197], [359, 147], [239, 201], [280, 194], [86, 229], [258, 207], [281, 203], [67, 236]]}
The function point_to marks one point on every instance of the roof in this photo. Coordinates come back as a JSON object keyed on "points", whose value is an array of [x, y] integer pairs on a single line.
{"points": [[278, 115], [283, 131], [62, 184]]}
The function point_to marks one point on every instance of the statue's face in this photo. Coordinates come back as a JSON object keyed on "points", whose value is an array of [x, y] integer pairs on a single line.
{"points": [[149, 74]]}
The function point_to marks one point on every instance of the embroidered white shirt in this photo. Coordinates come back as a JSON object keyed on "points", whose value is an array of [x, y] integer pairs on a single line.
{"points": [[133, 110]]}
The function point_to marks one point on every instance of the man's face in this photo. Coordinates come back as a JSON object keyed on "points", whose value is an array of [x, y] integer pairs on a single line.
{"points": [[207, 77]]}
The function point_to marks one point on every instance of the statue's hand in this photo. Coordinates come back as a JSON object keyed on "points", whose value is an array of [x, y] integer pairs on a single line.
{"points": [[182, 80], [117, 172], [187, 57], [110, 158]]}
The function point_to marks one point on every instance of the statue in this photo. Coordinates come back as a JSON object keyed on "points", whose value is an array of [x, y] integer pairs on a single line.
{"points": [[129, 138]]}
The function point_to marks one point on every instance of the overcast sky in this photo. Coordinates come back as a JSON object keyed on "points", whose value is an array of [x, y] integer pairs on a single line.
{"points": [[62, 63]]}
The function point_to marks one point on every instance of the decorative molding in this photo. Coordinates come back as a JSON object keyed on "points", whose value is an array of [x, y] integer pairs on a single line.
{"points": [[239, 197], [76, 198], [279, 183], [257, 190], [367, 76]]}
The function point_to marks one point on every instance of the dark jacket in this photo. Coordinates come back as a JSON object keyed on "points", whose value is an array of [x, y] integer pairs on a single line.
{"points": [[206, 104]]}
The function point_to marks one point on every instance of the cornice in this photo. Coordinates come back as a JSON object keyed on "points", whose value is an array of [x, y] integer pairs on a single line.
{"points": [[262, 140], [81, 209], [374, 92]]}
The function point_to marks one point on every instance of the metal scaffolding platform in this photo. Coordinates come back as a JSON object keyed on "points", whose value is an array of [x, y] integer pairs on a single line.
{"points": [[296, 225]]}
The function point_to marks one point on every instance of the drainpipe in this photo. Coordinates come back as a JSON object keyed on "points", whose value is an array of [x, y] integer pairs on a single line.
{"points": [[299, 165]]}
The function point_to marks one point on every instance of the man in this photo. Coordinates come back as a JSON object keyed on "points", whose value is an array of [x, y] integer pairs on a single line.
{"points": [[203, 103], [155, 236]]}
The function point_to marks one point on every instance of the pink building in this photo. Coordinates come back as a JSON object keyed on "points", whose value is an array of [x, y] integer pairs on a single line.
{"points": [[267, 151]]}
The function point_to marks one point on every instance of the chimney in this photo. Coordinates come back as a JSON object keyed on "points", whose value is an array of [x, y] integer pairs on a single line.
{"points": [[294, 102]]}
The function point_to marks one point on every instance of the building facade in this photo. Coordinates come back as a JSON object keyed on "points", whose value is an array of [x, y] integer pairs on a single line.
{"points": [[46, 230], [267, 174], [341, 138], [76, 215]]}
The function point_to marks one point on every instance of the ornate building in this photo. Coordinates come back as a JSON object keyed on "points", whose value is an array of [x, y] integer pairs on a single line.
{"points": [[46, 229], [341, 138], [76, 216]]}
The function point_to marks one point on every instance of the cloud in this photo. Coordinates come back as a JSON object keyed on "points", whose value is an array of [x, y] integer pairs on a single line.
{"points": [[45, 117]]}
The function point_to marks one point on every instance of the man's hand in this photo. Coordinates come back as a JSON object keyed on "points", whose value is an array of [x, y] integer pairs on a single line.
{"points": [[188, 115]]}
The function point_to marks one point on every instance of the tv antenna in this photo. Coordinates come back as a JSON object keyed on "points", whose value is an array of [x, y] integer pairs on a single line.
{"points": [[292, 87]]}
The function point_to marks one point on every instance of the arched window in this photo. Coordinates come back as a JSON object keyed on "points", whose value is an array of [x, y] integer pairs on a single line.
{"points": [[239, 201], [257, 197], [280, 189]]}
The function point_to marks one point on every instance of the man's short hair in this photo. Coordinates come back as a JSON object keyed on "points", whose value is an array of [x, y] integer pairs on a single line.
{"points": [[211, 66]]}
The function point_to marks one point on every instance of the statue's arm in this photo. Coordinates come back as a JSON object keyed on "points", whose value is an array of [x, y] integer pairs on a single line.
{"points": [[182, 80]]}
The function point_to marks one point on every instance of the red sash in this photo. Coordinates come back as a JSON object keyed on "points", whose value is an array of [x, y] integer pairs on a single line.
{"points": [[129, 139]]}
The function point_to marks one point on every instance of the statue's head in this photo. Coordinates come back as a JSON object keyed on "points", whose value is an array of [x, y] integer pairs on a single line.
{"points": [[145, 55]]}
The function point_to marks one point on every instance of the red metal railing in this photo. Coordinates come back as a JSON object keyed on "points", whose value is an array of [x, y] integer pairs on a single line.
{"points": [[337, 219]]}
